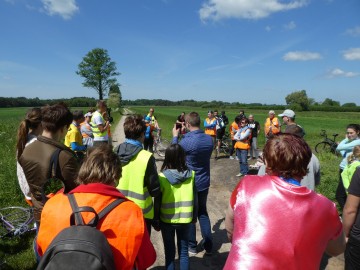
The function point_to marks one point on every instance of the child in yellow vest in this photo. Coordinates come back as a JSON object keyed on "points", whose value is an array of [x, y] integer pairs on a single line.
{"points": [[353, 163], [178, 207]]}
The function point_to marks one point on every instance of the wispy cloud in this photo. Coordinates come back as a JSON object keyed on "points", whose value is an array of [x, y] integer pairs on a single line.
{"points": [[245, 9], [352, 54], [355, 32], [301, 56], [268, 28], [337, 72], [290, 26], [64, 8]]}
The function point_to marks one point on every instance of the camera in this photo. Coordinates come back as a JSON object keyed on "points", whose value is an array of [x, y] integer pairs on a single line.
{"points": [[110, 119]]}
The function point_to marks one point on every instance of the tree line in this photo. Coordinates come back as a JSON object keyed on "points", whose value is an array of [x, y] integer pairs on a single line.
{"points": [[9, 102]]}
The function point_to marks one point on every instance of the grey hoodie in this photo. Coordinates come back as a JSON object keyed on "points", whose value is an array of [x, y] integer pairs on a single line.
{"points": [[175, 177]]}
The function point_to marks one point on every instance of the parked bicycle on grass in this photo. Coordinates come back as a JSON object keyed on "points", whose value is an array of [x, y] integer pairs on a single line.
{"points": [[327, 145]]}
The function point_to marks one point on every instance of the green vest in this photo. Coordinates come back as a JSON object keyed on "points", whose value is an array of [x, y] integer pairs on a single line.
{"points": [[95, 129], [131, 183], [177, 202], [347, 174]]}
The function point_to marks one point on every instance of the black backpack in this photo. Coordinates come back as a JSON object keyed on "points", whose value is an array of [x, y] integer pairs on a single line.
{"points": [[80, 246]]}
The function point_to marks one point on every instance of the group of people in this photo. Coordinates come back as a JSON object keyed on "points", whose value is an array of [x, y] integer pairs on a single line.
{"points": [[174, 199]]}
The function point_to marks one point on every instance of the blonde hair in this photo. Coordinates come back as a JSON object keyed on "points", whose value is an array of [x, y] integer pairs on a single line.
{"points": [[354, 155], [101, 165]]}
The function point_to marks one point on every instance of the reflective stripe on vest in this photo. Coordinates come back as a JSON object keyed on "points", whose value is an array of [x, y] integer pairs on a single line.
{"points": [[177, 202], [244, 144], [131, 183], [95, 128]]}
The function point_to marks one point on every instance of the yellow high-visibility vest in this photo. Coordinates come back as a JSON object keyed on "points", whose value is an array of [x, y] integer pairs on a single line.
{"points": [[131, 183], [177, 201]]}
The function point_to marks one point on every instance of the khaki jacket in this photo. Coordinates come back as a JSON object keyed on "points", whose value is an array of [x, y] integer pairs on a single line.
{"points": [[35, 161]]}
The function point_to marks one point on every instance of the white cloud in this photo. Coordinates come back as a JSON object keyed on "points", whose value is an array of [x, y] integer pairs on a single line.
{"points": [[64, 8], [337, 72], [352, 54], [290, 26], [301, 56], [267, 28], [245, 9], [355, 32]]}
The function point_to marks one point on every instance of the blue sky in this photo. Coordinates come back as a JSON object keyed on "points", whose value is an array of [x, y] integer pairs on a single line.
{"points": [[230, 50]]}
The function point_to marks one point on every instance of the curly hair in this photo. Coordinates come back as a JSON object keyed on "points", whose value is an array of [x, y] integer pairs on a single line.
{"points": [[287, 156]]}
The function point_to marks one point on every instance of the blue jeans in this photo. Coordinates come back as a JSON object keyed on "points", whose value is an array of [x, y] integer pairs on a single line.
{"points": [[168, 235], [242, 156], [205, 225]]}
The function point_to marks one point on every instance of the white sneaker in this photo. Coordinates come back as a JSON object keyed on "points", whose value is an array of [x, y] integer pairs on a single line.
{"points": [[237, 158], [231, 157], [238, 175]]}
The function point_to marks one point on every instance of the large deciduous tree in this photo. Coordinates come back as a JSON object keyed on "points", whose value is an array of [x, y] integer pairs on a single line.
{"points": [[98, 71], [298, 99]]}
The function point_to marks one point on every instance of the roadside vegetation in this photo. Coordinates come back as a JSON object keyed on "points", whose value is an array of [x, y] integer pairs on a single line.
{"points": [[17, 253]]}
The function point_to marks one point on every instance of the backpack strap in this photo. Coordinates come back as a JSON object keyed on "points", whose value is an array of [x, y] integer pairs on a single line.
{"points": [[76, 218], [108, 208], [53, 167]]}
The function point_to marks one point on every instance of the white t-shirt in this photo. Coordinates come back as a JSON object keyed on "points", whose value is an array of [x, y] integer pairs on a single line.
{"points": [[98, 120]]}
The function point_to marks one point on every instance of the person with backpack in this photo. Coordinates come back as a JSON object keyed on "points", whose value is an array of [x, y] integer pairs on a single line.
{"points": [[149, 137], [178, 202], [36, 157], [118, 239]]}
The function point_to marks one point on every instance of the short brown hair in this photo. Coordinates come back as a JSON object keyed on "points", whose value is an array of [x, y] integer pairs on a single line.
{"points": [[193, 119], [134, 126], [287, 156], [101, 165], [55, 117]]}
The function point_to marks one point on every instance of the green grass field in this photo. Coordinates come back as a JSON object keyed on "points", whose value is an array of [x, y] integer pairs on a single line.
{"points": [[17, 253]]}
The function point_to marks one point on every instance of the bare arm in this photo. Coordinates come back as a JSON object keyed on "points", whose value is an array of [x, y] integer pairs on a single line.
{"points": [[229, 222], [337, 246], [349, 213]]}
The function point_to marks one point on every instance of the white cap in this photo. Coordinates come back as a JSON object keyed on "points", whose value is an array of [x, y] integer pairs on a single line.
{"points": [[288, 113], [88, 114]]}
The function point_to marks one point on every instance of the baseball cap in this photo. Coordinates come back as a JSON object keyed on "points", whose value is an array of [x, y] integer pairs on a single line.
{"points": [[288, 113], [271, 112], [147, 119], [88, 114]]}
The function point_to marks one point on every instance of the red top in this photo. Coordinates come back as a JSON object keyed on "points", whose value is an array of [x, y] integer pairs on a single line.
{"points": [[278, 225]]}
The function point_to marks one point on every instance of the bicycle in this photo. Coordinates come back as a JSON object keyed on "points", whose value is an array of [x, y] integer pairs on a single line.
{"points": [[160, 145], [327, 145], [16, 220], [226, 144]]}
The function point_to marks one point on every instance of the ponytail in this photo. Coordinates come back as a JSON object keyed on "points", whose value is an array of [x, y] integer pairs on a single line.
{"points": [[32, 121], [21, 138]]}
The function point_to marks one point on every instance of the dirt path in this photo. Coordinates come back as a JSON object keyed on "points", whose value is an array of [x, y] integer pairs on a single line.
{"points": [[221, 187]]}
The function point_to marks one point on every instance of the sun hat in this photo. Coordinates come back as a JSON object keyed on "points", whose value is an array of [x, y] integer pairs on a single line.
{"points": [[271, 112], [288, 113]]}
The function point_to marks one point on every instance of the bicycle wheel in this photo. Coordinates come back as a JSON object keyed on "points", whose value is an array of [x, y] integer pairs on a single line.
{"points": [[15, 221], [323, 147], [225, 146], [161, 147]]}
